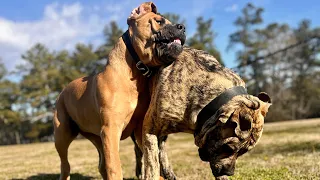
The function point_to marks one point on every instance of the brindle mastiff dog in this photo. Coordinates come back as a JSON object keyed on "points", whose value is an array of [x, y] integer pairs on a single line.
{"points": [[195, 94], [111, 105]]}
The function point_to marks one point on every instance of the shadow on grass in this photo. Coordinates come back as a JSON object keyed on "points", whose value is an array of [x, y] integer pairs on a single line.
{"points": [[302, 147], [76, 176], [55, 177]]}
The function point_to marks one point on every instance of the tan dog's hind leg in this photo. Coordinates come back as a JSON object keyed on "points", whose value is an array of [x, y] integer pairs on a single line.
{"points": [[96, 141], [65, 131], [139, 155]]}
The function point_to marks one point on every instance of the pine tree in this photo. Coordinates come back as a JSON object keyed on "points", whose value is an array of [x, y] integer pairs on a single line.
{"points": [[112, 33], [204, 37], [251, 46], [9, 118]]}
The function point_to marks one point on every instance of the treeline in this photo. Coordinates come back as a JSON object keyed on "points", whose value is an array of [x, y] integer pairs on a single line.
{"points": [[278, 59]]}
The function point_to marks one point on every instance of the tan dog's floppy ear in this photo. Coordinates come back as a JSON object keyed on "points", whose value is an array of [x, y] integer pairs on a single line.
{"points": [[264, 106], [141, 10]]}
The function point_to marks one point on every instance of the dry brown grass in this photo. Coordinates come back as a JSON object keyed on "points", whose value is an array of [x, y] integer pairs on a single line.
{"points": [[287, 150]]}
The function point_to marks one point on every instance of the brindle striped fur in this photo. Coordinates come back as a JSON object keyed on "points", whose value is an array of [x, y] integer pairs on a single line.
{"points": [[181, 90]]}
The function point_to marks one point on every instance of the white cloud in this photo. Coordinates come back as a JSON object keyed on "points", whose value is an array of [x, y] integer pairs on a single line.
{"points": [[61, 26], [71, 10], [232, 8], [199, 6]]}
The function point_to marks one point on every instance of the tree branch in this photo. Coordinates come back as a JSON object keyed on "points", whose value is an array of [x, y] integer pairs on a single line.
{"points": [[280, 50]]}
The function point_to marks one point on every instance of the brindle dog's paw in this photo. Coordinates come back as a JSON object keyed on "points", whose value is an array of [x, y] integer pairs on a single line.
{"points": [[168, 174], [222, 178]]}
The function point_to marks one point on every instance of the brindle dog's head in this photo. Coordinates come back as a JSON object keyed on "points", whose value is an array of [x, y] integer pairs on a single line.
{"points": [[155, 39], [234, 129]]}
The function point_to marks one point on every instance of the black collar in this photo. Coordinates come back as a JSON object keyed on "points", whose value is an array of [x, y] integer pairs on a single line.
{"points": [[145, 70], [211, 108]]}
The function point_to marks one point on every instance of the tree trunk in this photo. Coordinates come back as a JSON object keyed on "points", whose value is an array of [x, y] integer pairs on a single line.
{"points": [[17, 135]]}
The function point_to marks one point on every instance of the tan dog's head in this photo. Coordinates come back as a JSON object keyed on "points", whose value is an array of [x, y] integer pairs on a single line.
{"points": [[155, 39], [234, 129]]}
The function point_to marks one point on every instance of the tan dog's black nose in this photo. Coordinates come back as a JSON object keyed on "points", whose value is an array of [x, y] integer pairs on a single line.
{"points": [[181, 27]]}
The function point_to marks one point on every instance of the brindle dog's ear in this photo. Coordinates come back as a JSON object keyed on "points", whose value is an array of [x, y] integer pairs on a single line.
{"points": [[264, 106], [244, 124], [221, 116], [245, 120], [264, 97], [141, 10]]}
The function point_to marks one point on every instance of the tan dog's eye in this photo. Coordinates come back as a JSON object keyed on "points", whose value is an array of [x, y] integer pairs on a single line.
{"points": [[159, 22]]}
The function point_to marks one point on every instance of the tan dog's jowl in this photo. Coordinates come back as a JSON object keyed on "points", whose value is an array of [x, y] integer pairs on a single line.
{"points": [[181, 90], [111, 105]]}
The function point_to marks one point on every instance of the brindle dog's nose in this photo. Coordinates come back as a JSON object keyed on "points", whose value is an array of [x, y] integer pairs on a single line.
{"points": [[181, 27], [227, 170], [222, 170]]}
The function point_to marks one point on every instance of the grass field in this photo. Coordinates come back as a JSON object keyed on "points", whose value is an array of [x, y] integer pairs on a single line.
{"points": [[287, 150]]}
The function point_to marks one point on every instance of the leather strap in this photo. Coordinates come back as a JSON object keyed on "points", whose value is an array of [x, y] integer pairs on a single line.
{"points": [[211, 108], [145, 70]]}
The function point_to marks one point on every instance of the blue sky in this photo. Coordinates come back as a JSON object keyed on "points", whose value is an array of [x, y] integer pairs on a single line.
{"points": [[63, 23]]}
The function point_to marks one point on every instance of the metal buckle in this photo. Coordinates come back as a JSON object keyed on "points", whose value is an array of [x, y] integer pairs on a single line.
{"points": [[143, 68]]}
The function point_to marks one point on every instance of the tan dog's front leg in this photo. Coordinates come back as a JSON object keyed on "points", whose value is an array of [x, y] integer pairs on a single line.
{"points": [[110, 137], [151, 156]]}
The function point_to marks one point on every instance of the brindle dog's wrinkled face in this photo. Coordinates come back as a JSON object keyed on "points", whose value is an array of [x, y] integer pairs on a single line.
{"points": [[237, 129], [155, 39]]}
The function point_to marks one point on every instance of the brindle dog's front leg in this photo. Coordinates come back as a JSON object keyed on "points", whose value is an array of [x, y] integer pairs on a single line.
{"points": [[165, 167], [150, 151]]}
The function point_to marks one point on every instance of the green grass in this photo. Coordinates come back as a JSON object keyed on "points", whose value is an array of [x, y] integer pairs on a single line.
{"points": [[287, 150]]}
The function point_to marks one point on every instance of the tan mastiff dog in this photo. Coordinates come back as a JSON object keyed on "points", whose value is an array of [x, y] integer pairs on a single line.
{"points": [[195, 94], [109, 106]]}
